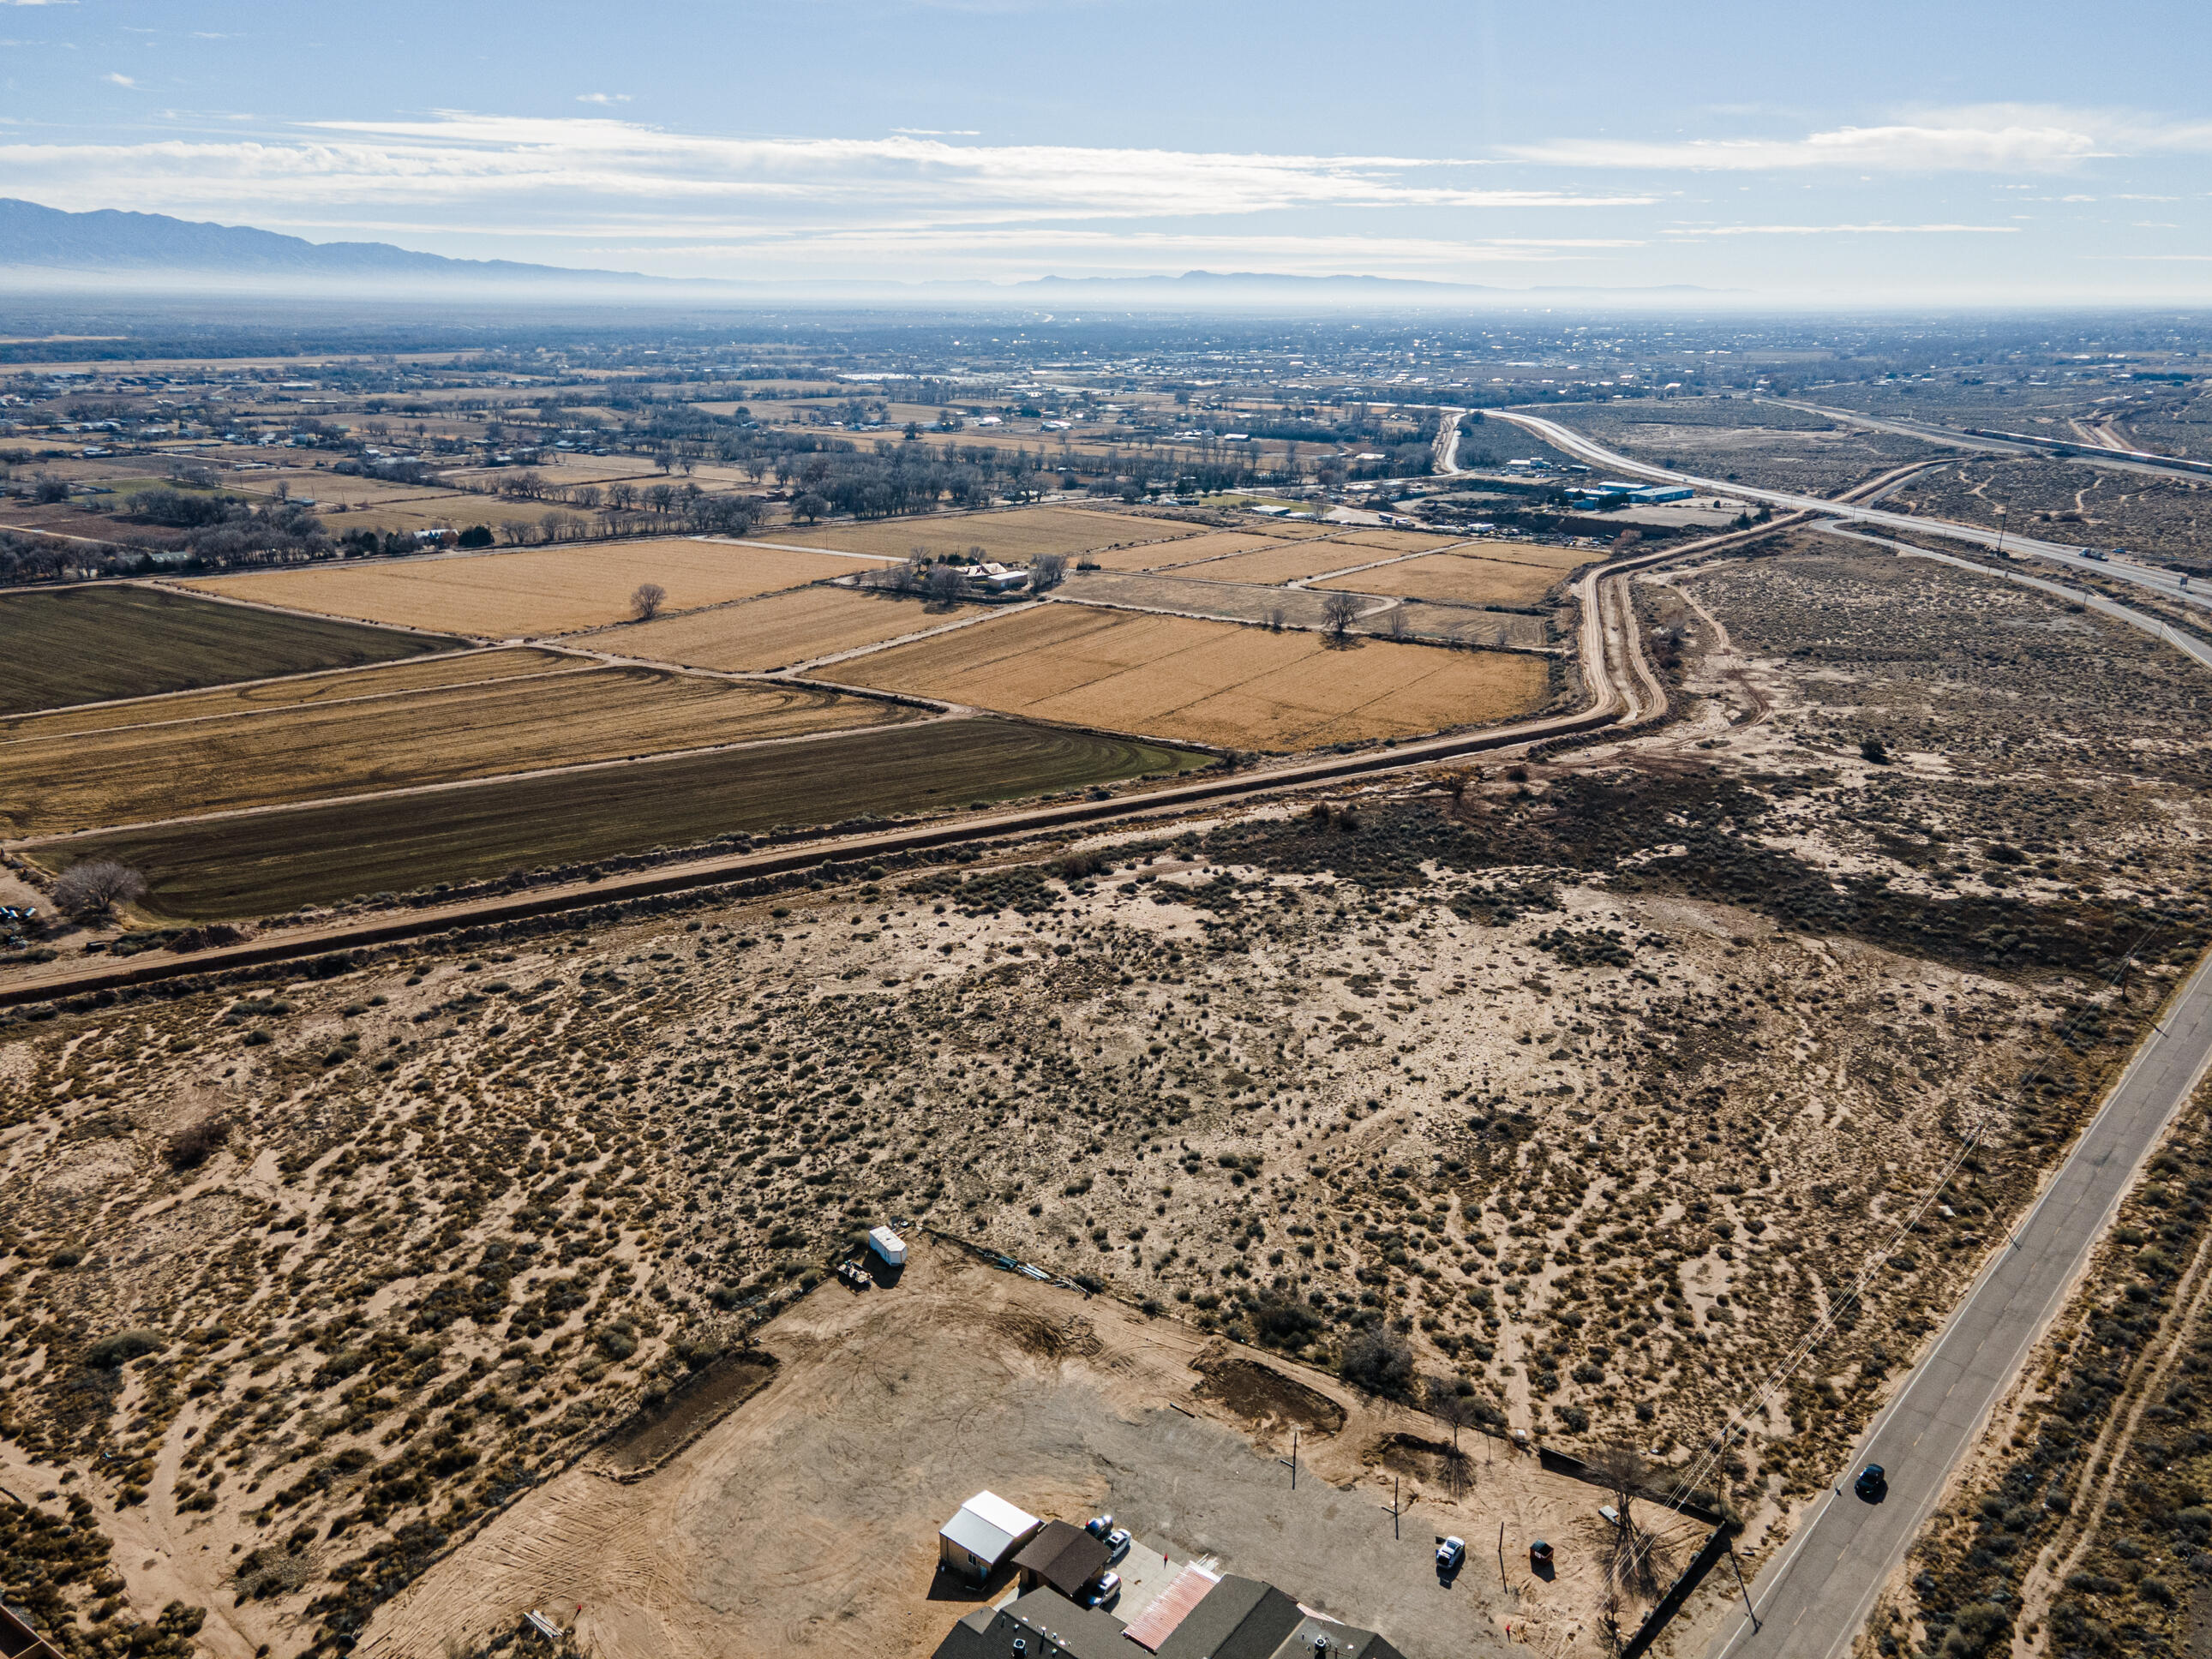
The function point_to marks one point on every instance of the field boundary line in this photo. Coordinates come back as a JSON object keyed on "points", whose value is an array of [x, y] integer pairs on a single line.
{"points": [[286, 708], [956, 623], [447, 785]]}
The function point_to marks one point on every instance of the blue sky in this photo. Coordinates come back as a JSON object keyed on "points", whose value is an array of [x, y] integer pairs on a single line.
{"points": [[1963, 152]]}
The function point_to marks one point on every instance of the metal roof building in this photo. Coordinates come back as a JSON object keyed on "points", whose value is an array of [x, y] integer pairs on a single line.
{"points": [[988, 1529]]}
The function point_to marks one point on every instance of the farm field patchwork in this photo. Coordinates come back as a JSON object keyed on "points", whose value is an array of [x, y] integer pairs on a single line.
{"points": [[1193, 550], [1453, 577], [776, 631], [549, 590], [262, 696], [79, 645], [1270, 566], [274, 861], [395, 741], [1013, 536], [1204, 681]]}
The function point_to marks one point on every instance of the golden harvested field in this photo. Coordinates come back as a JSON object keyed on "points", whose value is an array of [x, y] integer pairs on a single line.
{"points": [[774, 632], [337, 685], [1204, 681], [1278, 564], [436, 736], [1189, 550], [1454, 576], [1513, 550], [1013, 536], [1381, 543], [545, 590]]}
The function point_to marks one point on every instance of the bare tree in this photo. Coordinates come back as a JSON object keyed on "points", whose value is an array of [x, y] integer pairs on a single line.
{"points": [[1395, 621], [645, 603], [1339, 610], [945, 584], [1640, 1563], [1047, 571], [91, 891]]}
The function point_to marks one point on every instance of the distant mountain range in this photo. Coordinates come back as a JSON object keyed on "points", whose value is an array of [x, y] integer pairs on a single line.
{"points": [[151, 253]]}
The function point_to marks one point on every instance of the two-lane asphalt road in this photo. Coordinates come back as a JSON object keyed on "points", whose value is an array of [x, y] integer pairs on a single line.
{"points": [[1811, 1601]]}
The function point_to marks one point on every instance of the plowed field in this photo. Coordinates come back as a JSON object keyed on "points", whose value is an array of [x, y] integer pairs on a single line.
{"points": [[1272, 566], [1204, 681], [1193, 550], [550, 590], [395, 741]]}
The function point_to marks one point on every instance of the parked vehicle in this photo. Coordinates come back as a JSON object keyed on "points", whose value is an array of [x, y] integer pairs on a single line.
{"points": [[1104, 1588], [1117, 1543], [1450, 1553], [1099, 1525]]}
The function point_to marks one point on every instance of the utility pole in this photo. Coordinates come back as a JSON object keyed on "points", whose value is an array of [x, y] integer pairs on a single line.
{"points": [[1502, 1583], [1741, 1585], [2001, 529]]}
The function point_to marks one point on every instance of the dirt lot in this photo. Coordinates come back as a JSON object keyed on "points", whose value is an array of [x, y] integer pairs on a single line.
{"points": [[891, 1406], [390, 738], [1456, 577], [1012, 535], [542, 591], [777, 630], [1590, 1088], [1204, 681]]}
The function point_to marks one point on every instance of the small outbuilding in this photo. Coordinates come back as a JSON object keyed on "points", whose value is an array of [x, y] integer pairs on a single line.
{"points": [[975, 1543], [887, 1244], [1062, 1557]]}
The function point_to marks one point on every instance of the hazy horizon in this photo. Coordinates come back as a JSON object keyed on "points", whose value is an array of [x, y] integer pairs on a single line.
{"points": [[1887, 158]]}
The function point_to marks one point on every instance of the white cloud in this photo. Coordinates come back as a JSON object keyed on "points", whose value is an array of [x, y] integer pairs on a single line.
{"points": [[118, 80], [1846, 230], [603, 98], [1985, 138], [458, 158], [37, 3]]}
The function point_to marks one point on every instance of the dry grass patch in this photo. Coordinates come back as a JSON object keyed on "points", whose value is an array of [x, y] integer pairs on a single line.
{"points": [[1168, 556], [436, 736], [1273, 566], [1454, 576], [552, 590], [1386, 542], [1013, 536], [776, 631], [1204, 681]]}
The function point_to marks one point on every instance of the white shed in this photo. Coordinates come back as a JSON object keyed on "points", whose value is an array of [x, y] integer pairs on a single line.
{"points": [[888, 1244], [988, 1529]]}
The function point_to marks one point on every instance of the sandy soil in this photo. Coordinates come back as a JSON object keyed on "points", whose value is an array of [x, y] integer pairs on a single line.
{"points": [[891, 1406], [1204, 681], [1595, 1087], [538, 590]]}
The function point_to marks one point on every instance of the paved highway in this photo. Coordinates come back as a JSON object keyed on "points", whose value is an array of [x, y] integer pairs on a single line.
{"points": [[2164, 582], [1812, 1599], [1952, 438]]}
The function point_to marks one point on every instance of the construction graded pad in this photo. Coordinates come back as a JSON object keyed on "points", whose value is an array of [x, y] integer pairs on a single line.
{"points": [[1206, 682], [548, 590]]}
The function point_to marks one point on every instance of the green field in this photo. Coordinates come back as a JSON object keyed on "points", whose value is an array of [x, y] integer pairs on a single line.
{"points": [[270, 862], [74, 645]]}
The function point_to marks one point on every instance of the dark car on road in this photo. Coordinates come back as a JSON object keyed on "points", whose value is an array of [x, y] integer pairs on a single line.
{"points": [[1872, 1482]]}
